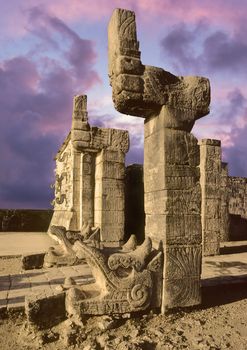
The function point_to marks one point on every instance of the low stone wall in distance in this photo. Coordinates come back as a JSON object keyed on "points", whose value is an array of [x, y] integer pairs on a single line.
{"points": [[26, 220]]}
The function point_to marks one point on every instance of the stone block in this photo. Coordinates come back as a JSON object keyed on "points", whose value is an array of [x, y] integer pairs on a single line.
{"points": [[114, 187], [76, 160], [110, 170], [80, 103], [160, 177], [86, 183], [181, 293], [174, 201], [109, 202], [80, 145], [87, 170], [129, 82], [211, 248], [210, 142], [117, 156], [128, 64], [112, 233], [109, 217], [212, 224], [37, 305], [212, 207], [32, 261], [81, 135], [119, 140], [185, 150], [182, 273], [180, 182], [78, 124], [174, 229], [210, 235]]}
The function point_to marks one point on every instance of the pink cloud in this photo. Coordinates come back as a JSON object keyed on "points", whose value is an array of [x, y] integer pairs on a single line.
{"points": [[220, 13], [36, 105]]}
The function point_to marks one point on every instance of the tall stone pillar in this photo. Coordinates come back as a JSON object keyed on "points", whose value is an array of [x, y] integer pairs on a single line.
{"points": [[210, 165], [225, 216], [172, 207], [109, 196], [75, 223], [170, 106], [87, 188]]}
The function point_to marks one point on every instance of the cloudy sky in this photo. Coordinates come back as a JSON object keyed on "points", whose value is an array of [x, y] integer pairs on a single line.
{"points": [[52, 50]]}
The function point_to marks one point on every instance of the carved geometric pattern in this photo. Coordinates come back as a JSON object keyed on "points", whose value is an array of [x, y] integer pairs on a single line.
{"points": [[183, 262], [182, 275], [127, 26]]}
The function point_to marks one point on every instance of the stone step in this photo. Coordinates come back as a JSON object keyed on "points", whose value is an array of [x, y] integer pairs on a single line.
{"points": [[14, 288], [233, 247]]}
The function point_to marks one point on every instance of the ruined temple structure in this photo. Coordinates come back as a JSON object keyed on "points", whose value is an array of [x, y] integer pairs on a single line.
{"points": [[89, 187], [224, 200], [170, 105], [182, 198]]}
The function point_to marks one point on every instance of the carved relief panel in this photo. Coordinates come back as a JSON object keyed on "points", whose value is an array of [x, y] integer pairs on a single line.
{"points": [[63, 179]]}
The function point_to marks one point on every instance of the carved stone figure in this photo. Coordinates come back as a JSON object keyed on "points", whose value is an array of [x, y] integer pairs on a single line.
{"points": [[124, 282], [63, 253], [170, 105]]}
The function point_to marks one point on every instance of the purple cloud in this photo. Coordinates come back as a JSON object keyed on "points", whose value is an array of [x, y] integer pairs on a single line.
{"points": [[36, 105], [198, 48], [222, 57], [229, 124], [236, 117]]}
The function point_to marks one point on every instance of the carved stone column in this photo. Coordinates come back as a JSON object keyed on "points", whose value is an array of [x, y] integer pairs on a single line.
{"points": [[211, 195], [225, 216], [87, 184], [170, 106], [109, 196]]}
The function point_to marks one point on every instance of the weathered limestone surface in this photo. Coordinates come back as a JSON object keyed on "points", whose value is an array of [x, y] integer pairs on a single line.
{"points": [[170, 106], [45, 309], [238, 196], [225, 194], [63, 253], [237, 208], [210, 167], [89, 186], [109, 195], [32, 261], [126, 281]]}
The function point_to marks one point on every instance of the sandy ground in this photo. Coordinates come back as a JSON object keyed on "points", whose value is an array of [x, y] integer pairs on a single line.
{"points": [[220, 323], [18, 243], [10, 266]]}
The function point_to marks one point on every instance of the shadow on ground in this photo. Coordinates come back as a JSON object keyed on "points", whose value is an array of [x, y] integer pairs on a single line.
{"points": [[226, 267], [222, 294]]}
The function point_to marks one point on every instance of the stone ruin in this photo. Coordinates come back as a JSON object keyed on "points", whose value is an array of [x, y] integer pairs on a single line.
{"points": [[89, 187], [172, 192], [180, 202]]}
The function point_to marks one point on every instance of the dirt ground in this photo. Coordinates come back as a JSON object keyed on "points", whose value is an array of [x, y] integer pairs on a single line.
{"points": [[220, 323], [10, 266]]}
